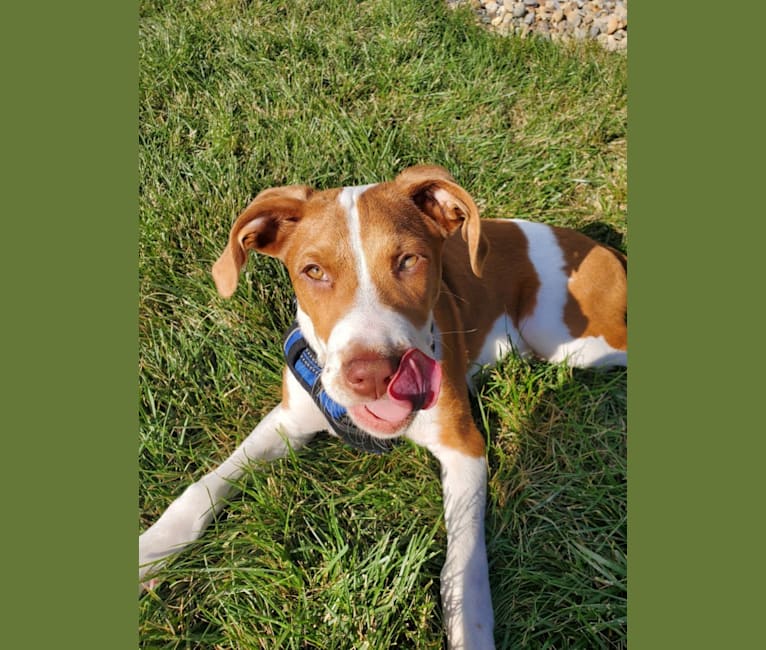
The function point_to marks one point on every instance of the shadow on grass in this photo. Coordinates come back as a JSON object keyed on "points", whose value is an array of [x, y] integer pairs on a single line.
{"points": [[557, 510], [604, 234]]}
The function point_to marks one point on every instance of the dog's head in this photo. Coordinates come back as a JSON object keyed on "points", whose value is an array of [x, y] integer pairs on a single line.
{"points": [[365, 263]]}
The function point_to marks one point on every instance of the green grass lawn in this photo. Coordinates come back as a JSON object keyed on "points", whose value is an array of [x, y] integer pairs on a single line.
{"points": [[332, 548]]}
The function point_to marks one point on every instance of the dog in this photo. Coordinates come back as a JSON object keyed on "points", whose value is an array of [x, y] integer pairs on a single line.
{"points": [[394, 317]]}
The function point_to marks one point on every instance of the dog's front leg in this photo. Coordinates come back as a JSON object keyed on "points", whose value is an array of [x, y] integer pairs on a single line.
{"points": [[466, 597], [295, 420]]}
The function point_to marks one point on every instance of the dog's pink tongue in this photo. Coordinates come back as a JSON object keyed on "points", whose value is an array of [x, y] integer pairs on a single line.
{"points": [[417, 381], [389, 410], [414, 386]]}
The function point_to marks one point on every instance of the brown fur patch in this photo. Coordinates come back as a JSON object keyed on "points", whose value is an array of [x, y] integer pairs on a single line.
{"points": [[597, 302], [457, 428], [509, 285]]}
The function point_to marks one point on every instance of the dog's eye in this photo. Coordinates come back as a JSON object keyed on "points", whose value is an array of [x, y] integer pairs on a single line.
{"points": [[407, 262], [315, 272]]}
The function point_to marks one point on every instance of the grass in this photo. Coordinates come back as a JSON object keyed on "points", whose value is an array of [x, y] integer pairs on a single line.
{"points": [[331, 548]]}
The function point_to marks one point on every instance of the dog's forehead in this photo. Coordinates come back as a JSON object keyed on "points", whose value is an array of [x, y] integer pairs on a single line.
{"points": [[388, 218], [323, 217], [357, 216]]}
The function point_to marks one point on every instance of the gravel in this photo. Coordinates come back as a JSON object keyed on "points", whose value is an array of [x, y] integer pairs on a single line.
{"points": [[605, 21]]}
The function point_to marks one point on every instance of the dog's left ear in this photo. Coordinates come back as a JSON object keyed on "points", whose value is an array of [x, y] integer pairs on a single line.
{"points": [[264, 226], [436, 193]]}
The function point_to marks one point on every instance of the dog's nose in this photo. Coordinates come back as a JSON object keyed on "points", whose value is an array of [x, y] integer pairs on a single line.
{"points": [[369, 374]]}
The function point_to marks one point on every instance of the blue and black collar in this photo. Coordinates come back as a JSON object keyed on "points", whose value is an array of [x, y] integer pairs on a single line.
{"points": [[302, 361]]}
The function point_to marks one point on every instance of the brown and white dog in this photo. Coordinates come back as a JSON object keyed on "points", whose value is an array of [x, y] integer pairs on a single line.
{"points": [[399, 316]]}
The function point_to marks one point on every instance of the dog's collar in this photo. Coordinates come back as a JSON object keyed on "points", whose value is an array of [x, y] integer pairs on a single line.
{"points": [[302, 361]]}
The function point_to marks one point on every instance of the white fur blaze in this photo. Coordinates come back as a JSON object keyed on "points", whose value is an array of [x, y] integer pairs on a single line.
{"points": [[368, 322]]}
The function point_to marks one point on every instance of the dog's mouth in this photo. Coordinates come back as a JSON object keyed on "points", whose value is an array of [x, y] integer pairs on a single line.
{"points": [[414, 387]]}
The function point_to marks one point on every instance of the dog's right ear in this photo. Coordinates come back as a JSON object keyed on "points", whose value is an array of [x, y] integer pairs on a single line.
{"points": [[437, 195], [264, 226]]}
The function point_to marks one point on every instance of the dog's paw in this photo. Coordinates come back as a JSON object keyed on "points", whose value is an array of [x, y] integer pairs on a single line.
{"points": [[146, 581], [149, 585]]}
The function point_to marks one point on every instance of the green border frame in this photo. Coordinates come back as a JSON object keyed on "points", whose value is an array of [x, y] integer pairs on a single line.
{"points": [[70, 310], [695, 491], [696, 446]]}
